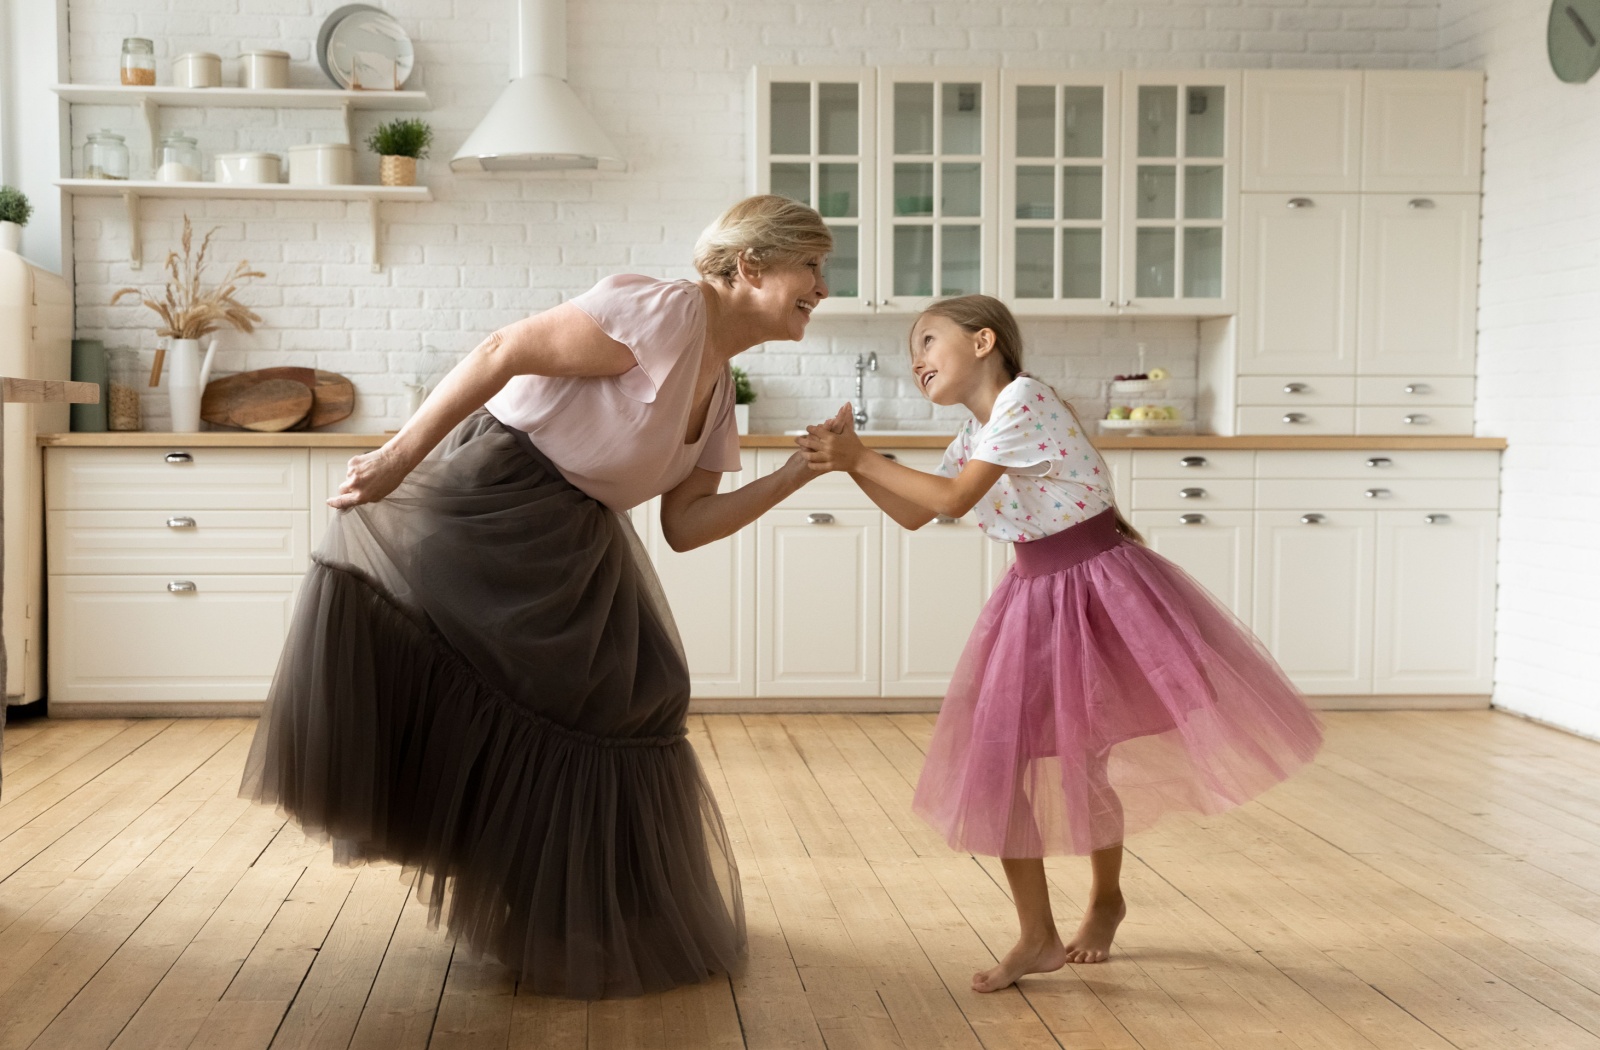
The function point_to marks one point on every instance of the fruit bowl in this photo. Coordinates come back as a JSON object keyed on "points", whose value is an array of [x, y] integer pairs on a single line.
{"points": [[1144, 426], [1157, 387]]}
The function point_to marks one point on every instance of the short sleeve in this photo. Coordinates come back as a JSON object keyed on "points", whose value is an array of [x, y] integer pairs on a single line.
{"points": [[1014, 437], [955, 457], [659, 321], [721, 451]]}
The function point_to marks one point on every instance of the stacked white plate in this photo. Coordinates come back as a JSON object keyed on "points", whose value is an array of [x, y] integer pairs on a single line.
{"points": [[362, 48]]}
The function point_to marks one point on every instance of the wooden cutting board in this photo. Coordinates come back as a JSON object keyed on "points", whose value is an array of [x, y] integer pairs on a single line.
{"points": [[333, 396], [272, 405]]}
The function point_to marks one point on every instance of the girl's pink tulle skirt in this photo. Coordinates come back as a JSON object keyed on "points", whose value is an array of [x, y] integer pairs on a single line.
{"points": [[1102, 688]]}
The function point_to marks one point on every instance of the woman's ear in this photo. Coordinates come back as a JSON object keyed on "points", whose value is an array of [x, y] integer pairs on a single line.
{"points": [[749, 272]]}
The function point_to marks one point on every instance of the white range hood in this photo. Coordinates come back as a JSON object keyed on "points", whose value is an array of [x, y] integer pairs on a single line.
{"points": [[537, 123]]}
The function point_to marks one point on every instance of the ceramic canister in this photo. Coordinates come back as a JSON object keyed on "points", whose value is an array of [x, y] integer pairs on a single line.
{"points": [[247, 168], [322, 164], [259, 70], [197, 69]]}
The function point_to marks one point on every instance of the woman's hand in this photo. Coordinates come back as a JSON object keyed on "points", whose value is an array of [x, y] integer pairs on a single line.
{"points": [[833, 445], [371, 476]]}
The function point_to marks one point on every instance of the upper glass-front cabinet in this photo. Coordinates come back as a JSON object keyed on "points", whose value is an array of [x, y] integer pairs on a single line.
{"points": [[1179, 148], [936, 171], [1059, 187], [814, 138]]}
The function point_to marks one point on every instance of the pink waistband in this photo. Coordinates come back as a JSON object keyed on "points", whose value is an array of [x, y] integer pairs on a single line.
{"points": [[1070, 547]]}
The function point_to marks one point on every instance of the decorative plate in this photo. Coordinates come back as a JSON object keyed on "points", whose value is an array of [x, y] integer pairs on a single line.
{"points": [[362, 48]]}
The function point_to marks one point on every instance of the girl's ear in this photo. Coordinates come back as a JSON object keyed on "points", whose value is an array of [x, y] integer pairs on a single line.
{"points": [[983, 342]]}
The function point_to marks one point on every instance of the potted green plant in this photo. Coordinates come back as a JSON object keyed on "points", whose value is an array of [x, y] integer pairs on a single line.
{"points": [[399, 144], [744, 395], [14, 212]]}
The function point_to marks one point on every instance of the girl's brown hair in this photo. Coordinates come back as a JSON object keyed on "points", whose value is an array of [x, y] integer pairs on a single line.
{"points": [[974, 313]]}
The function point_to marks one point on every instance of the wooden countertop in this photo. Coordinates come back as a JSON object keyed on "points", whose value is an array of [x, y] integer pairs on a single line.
{"points": [[1260, 442]]}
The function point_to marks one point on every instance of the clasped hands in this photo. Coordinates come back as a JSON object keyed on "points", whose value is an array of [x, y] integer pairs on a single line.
{"points": [[832, 445]]}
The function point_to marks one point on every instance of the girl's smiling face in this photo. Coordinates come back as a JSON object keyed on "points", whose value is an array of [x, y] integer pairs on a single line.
{"points": [[948, 362]]}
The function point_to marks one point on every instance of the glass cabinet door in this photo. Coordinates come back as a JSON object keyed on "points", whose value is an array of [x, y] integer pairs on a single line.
{"points": [[935, 178], [1178, 177], [1058, 192], [814, 143]]}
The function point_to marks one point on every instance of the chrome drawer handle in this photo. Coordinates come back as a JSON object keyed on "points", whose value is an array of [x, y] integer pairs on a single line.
{"points": [[179, 457], [1191, 493], [1192, 461], [819, 519], [1312, 519], [1295, 388], [180, 523], [1376, 494], [1418, 388], [1436, 519], [890, 455], [1380, 461], [1191, 519], [1417, 420], [1419, 204], [1294, 417], [182, 587], [1301, 202], [945, 519]]}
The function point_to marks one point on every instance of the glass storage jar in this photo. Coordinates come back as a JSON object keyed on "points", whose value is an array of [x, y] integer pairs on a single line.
{"points": [[105, 156], [124, 376], [180, 159], [138, 62]]}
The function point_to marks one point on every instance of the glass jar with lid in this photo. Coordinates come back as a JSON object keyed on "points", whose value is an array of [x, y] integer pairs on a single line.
{"points": [[124, 377], [105, 156], [138, 62], [180, 159]]}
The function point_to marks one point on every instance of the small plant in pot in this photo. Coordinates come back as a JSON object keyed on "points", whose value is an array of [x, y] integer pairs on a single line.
{"points": [[14, 212], [744, 395], [399, 144]]}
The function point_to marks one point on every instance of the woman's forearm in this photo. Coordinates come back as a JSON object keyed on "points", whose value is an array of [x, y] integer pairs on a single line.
{"points": [[690, 521], [473, 381]]}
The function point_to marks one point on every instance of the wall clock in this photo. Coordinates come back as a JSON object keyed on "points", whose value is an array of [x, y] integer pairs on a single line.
{"points": [[1574, 39]]}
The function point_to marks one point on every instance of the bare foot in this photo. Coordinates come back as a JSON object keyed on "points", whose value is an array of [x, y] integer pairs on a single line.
{"points": [[1026, 957], [1093, 941]]}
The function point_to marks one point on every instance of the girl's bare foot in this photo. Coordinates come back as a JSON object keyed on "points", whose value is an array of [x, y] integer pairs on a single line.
{"points": [[1093, 941], [1028, 956]]}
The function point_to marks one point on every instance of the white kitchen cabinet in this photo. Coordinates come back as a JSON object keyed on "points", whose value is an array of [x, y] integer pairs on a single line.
{"points": [[1119, 463], [89, 542], [1419, 266], [935, 582], [1433, 626], [1060, 176], [819, 615], [813, 139], [1313, 596], [1216, 547], [1180, 134], [328, 467], [176, 478], [938, 160], [1302, 131], [1297, 287], [1422, 131]]}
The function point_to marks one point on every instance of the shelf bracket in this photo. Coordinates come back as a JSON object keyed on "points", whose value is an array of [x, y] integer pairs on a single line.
{"points": [[151, 114], [135, 241], [349, 133], [372, 222]]}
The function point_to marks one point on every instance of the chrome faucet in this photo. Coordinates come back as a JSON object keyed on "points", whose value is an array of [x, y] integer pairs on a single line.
{"points": [[863, 366]]}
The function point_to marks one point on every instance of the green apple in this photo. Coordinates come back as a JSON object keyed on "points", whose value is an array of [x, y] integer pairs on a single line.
{"points": [[1171, 412], [1158, 374], [1117, 412], [1141, 414]]}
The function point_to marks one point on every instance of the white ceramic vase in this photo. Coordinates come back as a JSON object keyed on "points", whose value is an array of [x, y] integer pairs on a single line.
{"points": [[186, 380], [741, 416], [11, 237]]}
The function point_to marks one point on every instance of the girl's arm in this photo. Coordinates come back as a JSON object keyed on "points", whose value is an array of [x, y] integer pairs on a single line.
{"points": [[563, 341]]}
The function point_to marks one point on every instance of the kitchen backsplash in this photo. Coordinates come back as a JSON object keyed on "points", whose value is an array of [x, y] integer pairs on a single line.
{"points": [[669, 83]]}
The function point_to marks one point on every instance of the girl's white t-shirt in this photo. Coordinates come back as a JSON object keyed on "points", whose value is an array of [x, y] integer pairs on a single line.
{"points": [[1054, 476]]}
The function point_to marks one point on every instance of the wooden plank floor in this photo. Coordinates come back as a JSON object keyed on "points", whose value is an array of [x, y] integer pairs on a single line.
{"points": [[1433, 882]]}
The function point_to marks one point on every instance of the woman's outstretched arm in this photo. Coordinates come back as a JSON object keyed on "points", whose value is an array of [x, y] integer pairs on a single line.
{"points": [[563, 341]]}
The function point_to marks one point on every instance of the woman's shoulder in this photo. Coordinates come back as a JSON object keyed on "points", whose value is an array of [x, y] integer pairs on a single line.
{"points": [[637, 286]]}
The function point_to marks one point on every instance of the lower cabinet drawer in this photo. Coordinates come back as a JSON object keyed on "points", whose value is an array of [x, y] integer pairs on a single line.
{"points": [[162, 638], [128, 542], [1410, 419], [1400, 390], [1381, 494], [1297, 390], [1297, 419], [1193, 494]]}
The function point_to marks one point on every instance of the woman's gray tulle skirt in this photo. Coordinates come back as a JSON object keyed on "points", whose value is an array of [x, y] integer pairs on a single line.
{"points": [[483, 683]]}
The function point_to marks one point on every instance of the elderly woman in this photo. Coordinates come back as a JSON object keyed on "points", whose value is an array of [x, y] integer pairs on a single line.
{"points": [[483, 682]]}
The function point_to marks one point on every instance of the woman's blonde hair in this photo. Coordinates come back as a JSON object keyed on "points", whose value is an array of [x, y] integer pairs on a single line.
{"points": [[761, 230]]}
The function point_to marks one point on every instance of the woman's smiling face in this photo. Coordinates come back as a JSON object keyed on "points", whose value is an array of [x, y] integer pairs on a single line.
{"points": [[947, 361], [789, 292]]}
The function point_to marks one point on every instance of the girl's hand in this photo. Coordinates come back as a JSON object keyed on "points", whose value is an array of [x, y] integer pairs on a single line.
{"points": [[797, 463], [833, 445], [371, 476]]}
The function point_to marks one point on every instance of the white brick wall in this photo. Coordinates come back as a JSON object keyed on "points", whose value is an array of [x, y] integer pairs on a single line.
{"points": [[668, 81], [1539, 355]]}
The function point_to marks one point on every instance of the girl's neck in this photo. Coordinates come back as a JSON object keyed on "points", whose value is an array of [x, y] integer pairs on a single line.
{"points": [[981, 401]]}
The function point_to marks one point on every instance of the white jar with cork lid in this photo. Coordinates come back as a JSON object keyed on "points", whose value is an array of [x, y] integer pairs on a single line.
{"points": [[197, 69], [263, 70]]}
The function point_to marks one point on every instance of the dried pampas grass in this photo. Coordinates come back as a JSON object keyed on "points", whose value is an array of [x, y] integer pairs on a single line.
{"points": [[187, 309]]}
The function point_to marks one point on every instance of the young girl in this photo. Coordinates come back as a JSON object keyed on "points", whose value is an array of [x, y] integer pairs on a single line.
{"points": [[1101, 687]]}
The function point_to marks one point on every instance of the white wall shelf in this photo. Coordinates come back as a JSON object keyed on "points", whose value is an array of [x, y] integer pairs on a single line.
{"points": [[132, 191]]}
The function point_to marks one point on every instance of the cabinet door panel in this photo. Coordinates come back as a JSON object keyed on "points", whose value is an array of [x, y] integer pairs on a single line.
{"points": [[1313, 597], [935, 583], [1419, 274], [1217, 548], [124, 542], [176, 477], [1434, 622], [1423, 131], [1297, 297], [820, 618], [1302, 131]]}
